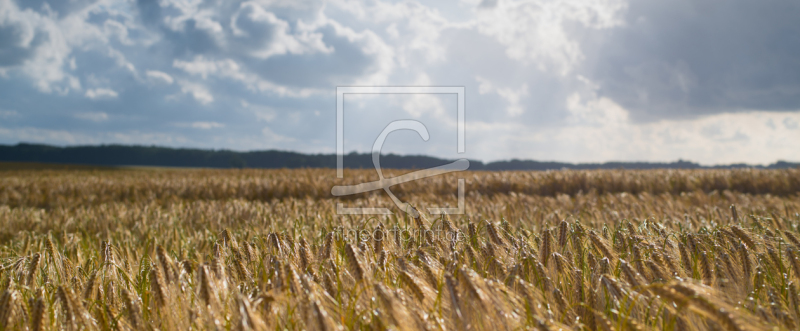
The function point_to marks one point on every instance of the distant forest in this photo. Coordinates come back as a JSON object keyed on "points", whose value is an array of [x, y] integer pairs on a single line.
{"points": [[123, 155]]}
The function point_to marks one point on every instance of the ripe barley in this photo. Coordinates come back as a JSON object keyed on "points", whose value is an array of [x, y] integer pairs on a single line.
{"points": [[157, 286], [110, 294], [563, 308], [493, 234], [743, 236], [793, 261], [673, 269], [732, 272], [776, 260], [327, 247], [328, 284], [248, 320], [378, 236], [562, 234], [70, 306], [638, 261], [657, 272], [429, 275], [792, 238], [744, 259], [382, 260], [721, 315], [50, 248], [305, 259], [631, 229], [412, 284], [794, 300], [473, 235], [275, 242], [132, 306], [9, 307], [218, 267], [247, 251], [630, 275], [544, 248], [320, 314], [600, 246], [691, 245], [286, 266], [705, 269], [37, 313], [287, 244], [388, 303], [477, 294], [455, 302], [91, 285], [217, 250], [612, 287], [241, 270], [353, 264], [33, 267], [187, 267], [166, 263], [577, 249]]}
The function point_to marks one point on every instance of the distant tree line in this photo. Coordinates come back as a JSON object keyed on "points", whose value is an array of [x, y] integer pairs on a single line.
{"points": [[123, 155]]}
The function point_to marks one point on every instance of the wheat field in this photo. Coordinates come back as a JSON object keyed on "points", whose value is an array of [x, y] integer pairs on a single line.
{"points": [[193, 249]]}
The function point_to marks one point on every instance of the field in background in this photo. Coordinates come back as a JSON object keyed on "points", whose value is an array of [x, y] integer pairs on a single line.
{"points": [[174, 249]]}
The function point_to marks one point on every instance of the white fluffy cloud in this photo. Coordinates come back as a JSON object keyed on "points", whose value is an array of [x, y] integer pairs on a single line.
{"points": [[565, 80], [265, 35], [199, 92], [159, 76], [536, 32]]}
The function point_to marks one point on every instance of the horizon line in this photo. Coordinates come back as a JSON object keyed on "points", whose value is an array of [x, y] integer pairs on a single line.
{"points": [[512, 160]]}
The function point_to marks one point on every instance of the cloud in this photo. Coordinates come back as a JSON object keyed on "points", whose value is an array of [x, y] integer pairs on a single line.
{"points": [[601, 130], [675, 59], [46, 136], [559, 79], [202, 125], [33, 43], [101, 93], [536, 32], [790, 123], [159, 76], [94, 117], [263, 113], [202, 67], [8, 113], [262, 34], [71, 137], [273, 137], [197, 91], [512, 96]]}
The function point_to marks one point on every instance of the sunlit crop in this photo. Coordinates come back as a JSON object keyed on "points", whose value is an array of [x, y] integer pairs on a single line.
{"points": [[178, 249]]}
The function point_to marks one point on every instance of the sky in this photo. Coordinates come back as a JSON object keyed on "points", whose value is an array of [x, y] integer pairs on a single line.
{"points": [[567, 80]]}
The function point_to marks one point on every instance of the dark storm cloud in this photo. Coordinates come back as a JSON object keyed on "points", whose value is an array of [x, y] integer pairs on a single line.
{"points": [[685, 58]]}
